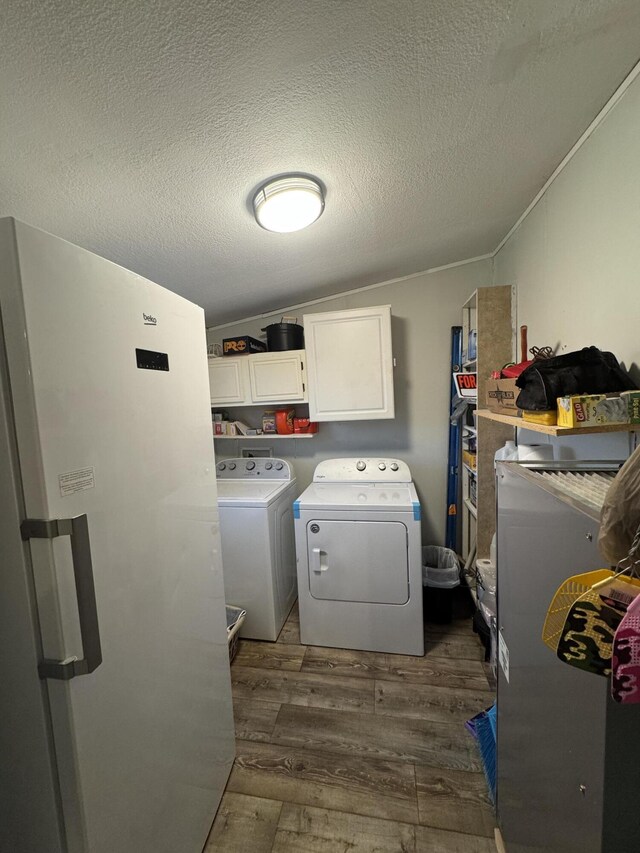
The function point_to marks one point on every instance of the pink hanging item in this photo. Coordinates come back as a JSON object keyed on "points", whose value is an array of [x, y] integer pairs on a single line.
{"points": [[625, 659]]}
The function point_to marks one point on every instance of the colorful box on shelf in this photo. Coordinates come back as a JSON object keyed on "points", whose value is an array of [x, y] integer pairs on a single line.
{"points": [[224, 428], [284, 421], [501, 396], [242, 345], [589, 410], [633, 405], [549, 418], [304, 425], [269, 422], [469, 459]]}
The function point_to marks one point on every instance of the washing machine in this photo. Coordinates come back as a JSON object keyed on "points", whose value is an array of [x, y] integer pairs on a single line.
{"points": [[358, 546], [255, 502]]}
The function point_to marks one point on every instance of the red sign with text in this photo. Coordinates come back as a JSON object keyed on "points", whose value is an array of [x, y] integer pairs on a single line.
{"points": [[466, 384]]}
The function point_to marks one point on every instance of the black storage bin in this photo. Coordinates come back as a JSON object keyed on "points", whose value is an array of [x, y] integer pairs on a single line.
{"points": [[284, 336]]}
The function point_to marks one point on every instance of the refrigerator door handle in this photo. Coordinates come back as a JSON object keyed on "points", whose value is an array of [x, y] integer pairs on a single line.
{"points": [[78, 531]]}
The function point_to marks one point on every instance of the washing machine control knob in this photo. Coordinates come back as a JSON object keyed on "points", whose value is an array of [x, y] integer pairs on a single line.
{"points": [[232, 466], [221, 466], [382, 466], [268, 466], [279, 466], [250, 466], [394, 466], [360, 465]]}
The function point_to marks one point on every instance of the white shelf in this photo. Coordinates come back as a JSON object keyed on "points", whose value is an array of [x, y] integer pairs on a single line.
{"points": [[469, 469], [471, 363], [268, 435]]}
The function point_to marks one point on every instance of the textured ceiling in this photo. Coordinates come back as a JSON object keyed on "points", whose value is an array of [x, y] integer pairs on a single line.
{"points": [[139, 129]]}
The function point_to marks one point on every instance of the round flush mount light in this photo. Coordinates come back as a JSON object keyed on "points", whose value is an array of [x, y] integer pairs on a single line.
{"points": [[288, 204]]}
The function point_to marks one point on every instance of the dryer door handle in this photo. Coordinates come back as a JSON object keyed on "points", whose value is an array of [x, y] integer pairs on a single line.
{"points": [[319, 560]]}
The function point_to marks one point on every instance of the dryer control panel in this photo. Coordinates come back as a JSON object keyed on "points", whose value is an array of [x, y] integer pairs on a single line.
{"points": [[260, 469], [364, 469]]}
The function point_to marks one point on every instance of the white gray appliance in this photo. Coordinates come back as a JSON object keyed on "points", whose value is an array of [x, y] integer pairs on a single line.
{"points": [[568, 774], [358, 546], [255, 497], [116, 729]]}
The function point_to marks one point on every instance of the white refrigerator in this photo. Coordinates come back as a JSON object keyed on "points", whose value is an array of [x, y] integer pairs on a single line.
{"points": [[116, 726]]}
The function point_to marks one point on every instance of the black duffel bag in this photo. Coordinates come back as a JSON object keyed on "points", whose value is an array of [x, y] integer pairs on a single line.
{"points": [[586, 371]]}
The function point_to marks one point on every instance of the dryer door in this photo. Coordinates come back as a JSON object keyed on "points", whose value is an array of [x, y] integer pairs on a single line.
{"points": [[363, 561]]}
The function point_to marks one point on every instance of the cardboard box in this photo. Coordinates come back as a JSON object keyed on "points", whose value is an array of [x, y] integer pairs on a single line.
{"points": [[242, 345], [633, 405], [502, 395], [592, 410]]}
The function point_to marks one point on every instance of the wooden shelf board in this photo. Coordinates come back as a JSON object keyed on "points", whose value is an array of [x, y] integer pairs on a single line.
{"points": [[265, 435], [555, 430]]}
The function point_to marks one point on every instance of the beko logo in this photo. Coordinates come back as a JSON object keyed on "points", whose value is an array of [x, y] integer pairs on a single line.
{"points": [[148, 319]]}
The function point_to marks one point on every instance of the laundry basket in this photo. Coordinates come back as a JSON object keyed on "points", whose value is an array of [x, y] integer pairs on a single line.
{"points": [[235, 618], [440, 575]]}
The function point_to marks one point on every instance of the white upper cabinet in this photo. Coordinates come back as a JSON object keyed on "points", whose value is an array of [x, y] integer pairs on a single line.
{"points": [[349, 364], [228, 380], [277, 377], [250, 380]]}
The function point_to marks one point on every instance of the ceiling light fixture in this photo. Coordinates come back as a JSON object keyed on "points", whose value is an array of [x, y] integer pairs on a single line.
{"points": [[288, 204]]}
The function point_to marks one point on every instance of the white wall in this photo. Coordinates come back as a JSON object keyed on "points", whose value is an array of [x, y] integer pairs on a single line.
{"points": [[423, 307], [575, 259]]}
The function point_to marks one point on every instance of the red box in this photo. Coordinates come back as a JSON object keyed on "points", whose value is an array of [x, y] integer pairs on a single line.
{"points": [[304, 425]]}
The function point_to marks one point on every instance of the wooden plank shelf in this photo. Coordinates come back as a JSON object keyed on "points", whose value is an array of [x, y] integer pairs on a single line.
{"points": [[555, 430]]}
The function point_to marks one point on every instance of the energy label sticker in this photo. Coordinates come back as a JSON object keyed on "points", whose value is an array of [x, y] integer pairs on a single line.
{"points": [[76, 481]]}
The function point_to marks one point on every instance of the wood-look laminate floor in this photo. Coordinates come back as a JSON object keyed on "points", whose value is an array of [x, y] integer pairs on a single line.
{"points": [[357, 751]]}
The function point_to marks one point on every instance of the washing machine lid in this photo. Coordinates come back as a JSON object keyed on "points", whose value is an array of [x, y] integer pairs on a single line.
{"points": [[377, 497], [250, 492]]}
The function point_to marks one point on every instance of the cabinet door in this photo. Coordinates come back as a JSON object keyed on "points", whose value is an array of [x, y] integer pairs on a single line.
{"points": [[277, 377], [350, 364], [228, 380]]}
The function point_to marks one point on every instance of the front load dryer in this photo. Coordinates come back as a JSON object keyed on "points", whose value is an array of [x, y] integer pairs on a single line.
{"points": [[255, 501], [358, 546]]}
